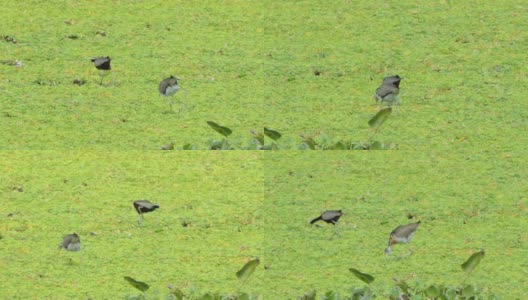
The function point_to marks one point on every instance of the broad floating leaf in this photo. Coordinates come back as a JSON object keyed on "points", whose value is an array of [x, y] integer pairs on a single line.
{"points": [[472, 262], [272, 134], [380, 117], [220, 129], [248, 269], [362, 276], [137, 284]]}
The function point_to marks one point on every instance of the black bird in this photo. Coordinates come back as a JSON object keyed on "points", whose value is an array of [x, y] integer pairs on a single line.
{"points": [[388, 91], [71, 242], [329, 216], [144, 206], [402, 235], [103, 65], [168, 87]]}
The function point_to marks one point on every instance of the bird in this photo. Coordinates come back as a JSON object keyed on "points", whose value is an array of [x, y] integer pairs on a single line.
{"points": [[168, 87], [144, 206], [402, 235], [71, 242], [388, 91], [329, 216], [103, 65]]}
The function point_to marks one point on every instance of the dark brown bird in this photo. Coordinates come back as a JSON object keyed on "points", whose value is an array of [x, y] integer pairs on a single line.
{"points": [[71, 242], [144, 206], [103, 65], [168, 87], [402, 235], [388, 91], [329, 216]]}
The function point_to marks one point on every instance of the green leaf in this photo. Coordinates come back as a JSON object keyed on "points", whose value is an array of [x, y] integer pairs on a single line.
{"points": [[259, 136], [380, 117], [376, 145], [189, 147], [207, 297], [402, 284], [331, 296], [220, 129], [471, 263], [137, 284], [309, 141], [177, 293], [216, 145], [337, 146], [450, 294], [362, 276], [243, 296], [308, 296], [432, 291], [357, 146], [468, 291], [248, 269], [272, 134]]}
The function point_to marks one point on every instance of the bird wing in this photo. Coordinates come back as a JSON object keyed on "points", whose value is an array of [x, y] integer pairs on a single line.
{"points": [[386, 89], [406, 230], [163, 86], [330, 214]]}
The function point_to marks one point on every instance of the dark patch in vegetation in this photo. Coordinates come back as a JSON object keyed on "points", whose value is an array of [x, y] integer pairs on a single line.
{"points": [[79, 82], [17, 188], [10, 39], [169, 146], [46, 82]]}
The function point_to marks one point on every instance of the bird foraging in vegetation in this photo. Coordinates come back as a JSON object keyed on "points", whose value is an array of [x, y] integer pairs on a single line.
{"points": [[329, 216], [387, 92], [71, 242], [103, 65], [168, 87], [144, 206], [402, 235]]}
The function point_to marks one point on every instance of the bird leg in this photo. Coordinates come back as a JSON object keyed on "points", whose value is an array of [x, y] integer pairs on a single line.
{"points": [[140, 219], [170, 106], [102, 74], [336, 232]]}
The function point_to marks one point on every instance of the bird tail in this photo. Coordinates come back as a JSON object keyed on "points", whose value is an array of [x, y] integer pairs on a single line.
{"points": [[316, 219], [419, 222]]}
